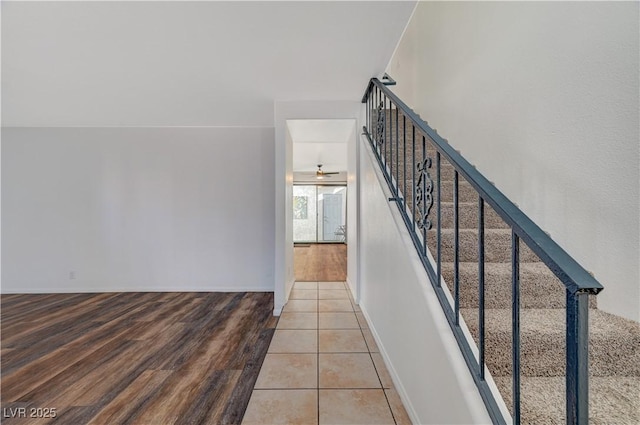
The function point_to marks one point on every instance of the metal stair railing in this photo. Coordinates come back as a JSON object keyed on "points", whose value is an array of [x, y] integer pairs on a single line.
{"points": [[385, 115]]}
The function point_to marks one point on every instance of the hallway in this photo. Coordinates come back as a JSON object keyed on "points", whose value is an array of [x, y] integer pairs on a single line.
{"points": [[323, 365]]}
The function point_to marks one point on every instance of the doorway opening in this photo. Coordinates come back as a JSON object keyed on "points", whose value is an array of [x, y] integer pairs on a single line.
{"points": [[319, 197]]}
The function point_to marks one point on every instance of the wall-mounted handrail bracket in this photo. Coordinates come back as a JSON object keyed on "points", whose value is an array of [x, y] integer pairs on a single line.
{"points": [[387, 80]]}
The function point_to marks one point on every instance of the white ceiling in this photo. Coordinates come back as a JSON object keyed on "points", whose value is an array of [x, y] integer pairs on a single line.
{"points": [[187, 63], [320, 142], [309, 131]]}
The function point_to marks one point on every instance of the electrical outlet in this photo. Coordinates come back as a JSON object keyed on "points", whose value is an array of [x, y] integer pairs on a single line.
{"points": [[72, 275]]}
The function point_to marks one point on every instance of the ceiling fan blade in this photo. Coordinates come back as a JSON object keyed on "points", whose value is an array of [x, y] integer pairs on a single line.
{"points": [[332, 172]]}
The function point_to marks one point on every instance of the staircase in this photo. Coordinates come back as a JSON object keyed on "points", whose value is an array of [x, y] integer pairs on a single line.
{"points": [[614, 342]]}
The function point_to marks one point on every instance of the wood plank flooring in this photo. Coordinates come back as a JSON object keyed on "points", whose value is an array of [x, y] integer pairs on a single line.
{"points": [[320, 262], [132, 358]]}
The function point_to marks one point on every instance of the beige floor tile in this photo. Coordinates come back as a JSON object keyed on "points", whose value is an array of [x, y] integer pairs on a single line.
{"points": [[305, 285], [334, 305], [352, 370], [337, 321], [294, 341], [282, 407], [303, 294], [288, 371], [331, 285], [354, 407], [383, 373], [362, 321], [371, 342], [341, 341], [310, 306], [333, 294], [298, 321], [397, 408]]}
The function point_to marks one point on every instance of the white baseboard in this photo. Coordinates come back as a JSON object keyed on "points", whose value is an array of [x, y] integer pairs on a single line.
{"points": [[402, 393], [353, 289], [191, 288]]}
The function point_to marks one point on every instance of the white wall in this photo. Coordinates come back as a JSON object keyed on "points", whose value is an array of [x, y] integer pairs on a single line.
{"points": [[137, 209], [543, 97], [418, 346]]}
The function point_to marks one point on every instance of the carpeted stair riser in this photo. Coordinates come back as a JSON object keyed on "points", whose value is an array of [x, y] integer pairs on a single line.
{"points": [[614, 344], [497, 246], [467, 215], [447, 171], [539, 288], [466, 193]]}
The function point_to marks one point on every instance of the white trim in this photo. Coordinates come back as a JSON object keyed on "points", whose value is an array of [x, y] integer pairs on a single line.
{"points": [[136, 126], [392, 372]]}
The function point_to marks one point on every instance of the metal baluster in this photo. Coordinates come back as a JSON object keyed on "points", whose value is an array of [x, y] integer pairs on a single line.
{"points": [[404, 167], [439, 241], [481, 283], [515, 320], [456, 250], [397, 168], [413, 184], [374, 111], [369, 112], [404, 129], [577, 381], [390, 144], [379, 144], [424, 186]]}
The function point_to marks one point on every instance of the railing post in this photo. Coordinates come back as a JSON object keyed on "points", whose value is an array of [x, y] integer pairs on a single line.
{"points": [[577, 358]]}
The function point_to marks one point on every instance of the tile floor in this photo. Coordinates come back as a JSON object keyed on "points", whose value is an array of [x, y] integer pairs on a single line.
{"points": [[323, 365]]}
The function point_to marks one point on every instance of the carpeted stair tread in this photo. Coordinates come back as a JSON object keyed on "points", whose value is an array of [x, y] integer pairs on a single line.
{"points": [[614, 343], [468, 216], [539, 288], [612, 400], [497, 245]]}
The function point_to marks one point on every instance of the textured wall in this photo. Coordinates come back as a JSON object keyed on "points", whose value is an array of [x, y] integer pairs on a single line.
{"points": [[543, 98]]}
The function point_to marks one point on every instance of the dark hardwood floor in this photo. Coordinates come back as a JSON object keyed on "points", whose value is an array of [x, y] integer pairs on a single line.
{"points": [[132, 358], [320, 262]]}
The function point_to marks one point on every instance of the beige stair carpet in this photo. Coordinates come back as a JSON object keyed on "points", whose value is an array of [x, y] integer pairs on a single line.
{"points": [[614, 346]]}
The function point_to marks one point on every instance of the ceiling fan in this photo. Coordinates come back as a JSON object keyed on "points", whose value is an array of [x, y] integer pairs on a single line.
{"points": [[324, 174]]}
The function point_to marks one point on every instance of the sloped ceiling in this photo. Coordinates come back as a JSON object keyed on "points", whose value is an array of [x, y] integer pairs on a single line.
{"points": [[187, 63]]}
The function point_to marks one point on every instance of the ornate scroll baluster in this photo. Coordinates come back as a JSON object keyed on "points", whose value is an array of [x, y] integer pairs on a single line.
{"points": [[424, 194]]}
